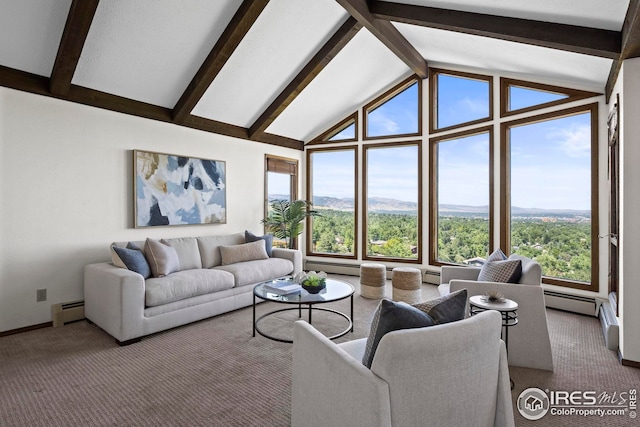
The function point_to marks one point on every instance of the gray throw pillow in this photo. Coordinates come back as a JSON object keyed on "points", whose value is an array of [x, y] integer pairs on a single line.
{"points": [[163, 259], [507, 271], [268, 240], [447, 308], [240, 253], [133, 258], [392, 316]]}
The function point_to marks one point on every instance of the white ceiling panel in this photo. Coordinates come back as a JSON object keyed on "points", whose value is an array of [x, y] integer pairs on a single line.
{"points": [[30, 32], [587, 13], [150, 50], [276, 48], [450, 48], [364, 68]]}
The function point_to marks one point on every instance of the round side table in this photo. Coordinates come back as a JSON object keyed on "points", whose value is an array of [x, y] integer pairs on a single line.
{"points": [[508, 310]]}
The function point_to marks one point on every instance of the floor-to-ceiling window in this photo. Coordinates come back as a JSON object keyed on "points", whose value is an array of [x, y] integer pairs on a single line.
{"points": [[332, 189], [461, 178], [393, 199], [521, 175], [549, 209]]}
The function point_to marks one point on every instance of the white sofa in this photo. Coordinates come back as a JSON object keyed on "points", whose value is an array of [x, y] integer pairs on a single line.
{"points": [[128, 306], [454, 374]]}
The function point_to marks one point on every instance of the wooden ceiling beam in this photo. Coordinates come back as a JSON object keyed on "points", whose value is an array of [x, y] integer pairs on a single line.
{"points": [[388, 35], [572, 38], [39, 85], [74, 35], [630, 44], [320, 60], [240, 24]]}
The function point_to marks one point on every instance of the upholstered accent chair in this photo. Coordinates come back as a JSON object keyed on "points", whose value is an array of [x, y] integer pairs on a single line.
{"points": [[451, 374], [529, 343]]}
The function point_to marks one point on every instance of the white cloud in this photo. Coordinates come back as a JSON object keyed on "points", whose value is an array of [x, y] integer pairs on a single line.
{"points": [[575, 141]]}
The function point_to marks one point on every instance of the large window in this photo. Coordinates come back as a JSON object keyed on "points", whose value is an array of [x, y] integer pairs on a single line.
{"points": [[393, 200], [461, 197], [550, 204], [332, 188]]}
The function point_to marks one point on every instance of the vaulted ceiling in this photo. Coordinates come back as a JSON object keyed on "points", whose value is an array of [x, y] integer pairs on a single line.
{"points": [[283, 71]]}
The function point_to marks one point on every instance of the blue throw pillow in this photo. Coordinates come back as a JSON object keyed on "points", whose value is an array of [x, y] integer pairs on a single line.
{"points": [[268, 240], [392, 316], [134, 259]]}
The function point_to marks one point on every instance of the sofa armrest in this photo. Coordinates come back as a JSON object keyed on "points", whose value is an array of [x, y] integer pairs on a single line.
{"points": [[450, 272], [114, 300], [293, 255], [331, 388]]}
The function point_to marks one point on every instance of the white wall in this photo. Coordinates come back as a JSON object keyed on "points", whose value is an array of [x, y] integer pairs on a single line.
{"points": [[66, 187], [630, 210]]}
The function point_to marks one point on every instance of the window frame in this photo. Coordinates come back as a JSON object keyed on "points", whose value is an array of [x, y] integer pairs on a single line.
{"points": [[273, 163], [433, 188], [507, 83], [365, 210], [433, 98], [325, 137], [388, 95], [505, 190], [309, 220]]}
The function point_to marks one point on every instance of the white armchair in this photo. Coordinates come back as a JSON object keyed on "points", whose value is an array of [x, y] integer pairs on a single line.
{"points": [[529, 343], [453, 374]]}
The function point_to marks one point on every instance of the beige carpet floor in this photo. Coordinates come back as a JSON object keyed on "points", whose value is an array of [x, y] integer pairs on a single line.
{"points": [[214, 373]]}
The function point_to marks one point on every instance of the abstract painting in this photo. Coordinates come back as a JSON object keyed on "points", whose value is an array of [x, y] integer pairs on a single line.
{"points": [[178, 190]]}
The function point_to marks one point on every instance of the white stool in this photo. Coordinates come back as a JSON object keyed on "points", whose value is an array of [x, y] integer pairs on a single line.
{"points": [[407, 285], [372, 280]]}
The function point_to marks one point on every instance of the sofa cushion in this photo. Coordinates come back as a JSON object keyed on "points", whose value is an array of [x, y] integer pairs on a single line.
{"points": [[268, 240], [392, 316], [188, 252], [447, 308], [250, 272], [210, 247], [132, 259], [245, 252], [185, 284], [163, 259]]}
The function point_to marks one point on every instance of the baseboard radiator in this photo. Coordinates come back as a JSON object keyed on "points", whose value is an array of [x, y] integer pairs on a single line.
{"points": [[573, 303], [67, 312], [609, 322]]}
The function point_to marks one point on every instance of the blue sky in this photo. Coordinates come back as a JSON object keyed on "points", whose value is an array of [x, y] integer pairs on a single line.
{"points": [[550, 161]]}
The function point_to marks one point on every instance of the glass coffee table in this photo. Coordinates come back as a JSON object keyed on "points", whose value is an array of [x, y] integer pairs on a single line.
{"points": [[336, 290]]}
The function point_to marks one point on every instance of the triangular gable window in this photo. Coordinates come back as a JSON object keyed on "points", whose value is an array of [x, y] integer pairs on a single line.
{"points": [[519, 96], [345, 131], [396, 113]]}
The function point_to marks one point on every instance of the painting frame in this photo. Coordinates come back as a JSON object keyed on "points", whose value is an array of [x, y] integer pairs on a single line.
{"points": [[174, 190]]}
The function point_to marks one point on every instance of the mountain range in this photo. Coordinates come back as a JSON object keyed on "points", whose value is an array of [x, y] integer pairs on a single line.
{"points": [[386, 205]]}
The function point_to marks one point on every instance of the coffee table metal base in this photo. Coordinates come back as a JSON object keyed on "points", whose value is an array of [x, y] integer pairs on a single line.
{"points": [[256, 328]]}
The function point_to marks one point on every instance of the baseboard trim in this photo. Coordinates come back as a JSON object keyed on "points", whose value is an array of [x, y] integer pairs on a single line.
{"points": [[26, 329], [625, 362]]}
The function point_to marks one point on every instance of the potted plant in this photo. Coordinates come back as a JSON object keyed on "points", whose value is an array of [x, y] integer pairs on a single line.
{"points": [[312, 282], [285, 219]]}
